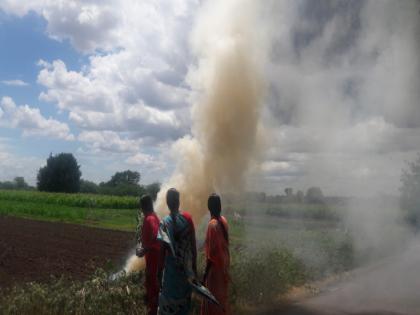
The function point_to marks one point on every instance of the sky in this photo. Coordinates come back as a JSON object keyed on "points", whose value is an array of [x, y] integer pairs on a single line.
{"points": [[108, 81]]}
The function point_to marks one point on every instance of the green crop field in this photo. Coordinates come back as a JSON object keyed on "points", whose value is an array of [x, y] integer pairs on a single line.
{"points": [[72, 200], [93, 210]]}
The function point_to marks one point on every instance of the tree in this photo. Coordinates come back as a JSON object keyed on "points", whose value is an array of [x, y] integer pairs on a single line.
{"points": [[289, 192], [153, 189], [123, 183], [410, 192], [89, 187], [126, 177], [314, 195], [61, 174], [300, 196], [20, 183], [7, 185]]}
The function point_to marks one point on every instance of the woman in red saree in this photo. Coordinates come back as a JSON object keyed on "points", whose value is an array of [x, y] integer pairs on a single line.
{"points": [[216, 276]]}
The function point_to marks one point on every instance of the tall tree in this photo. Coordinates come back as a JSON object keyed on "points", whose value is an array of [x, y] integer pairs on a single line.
{"points": [[314, 195], [61, 174], [126, 177], [20, 183]]}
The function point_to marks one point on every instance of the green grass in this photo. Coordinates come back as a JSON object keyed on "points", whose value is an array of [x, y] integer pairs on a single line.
{"points": [[119, 219], [73, 200], [288, 210]]}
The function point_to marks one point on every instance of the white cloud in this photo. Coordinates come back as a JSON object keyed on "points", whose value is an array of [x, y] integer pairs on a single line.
{"points": [[14, 82], [108, 141], [138, 60], [12, 165], [343, 97], [31, 122], [145, 161]]}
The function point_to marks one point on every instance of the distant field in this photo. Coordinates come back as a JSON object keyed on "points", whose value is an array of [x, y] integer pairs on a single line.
{"points": [[72, 200], [93, 210]]}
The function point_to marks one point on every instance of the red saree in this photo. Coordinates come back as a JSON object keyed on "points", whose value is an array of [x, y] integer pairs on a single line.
{"points": [[217, 252]]}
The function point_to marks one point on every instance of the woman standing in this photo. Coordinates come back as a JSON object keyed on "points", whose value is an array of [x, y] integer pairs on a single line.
{"points": [[178, 257], [216, 276]]}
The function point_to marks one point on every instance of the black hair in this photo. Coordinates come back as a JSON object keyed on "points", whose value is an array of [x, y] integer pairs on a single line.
{"points": [[215, 205], [172, 199], [146, 203]]}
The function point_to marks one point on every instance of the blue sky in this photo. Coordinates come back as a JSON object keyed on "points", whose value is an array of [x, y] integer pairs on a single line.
{"points": [[24, 43], [111, 81]]}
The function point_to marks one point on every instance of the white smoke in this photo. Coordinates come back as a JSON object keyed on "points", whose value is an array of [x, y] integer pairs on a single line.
{"points": [[228, 89]]}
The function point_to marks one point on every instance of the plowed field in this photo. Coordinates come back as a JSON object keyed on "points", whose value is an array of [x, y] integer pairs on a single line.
{"points": [[34, 250]]}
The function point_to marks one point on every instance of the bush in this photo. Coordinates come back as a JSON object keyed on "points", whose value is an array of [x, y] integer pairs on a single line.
{"points": [[261, 276], [88, 187], [98, 295]]}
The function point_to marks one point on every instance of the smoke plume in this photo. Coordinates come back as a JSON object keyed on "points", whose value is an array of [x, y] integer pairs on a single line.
{"points": [[228, 88]]}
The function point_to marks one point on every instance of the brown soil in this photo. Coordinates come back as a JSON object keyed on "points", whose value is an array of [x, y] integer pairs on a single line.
{"points": [[34, 250]]}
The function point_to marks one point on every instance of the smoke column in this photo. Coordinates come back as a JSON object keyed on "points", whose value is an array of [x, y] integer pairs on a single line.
{"points": [[227, 87]]}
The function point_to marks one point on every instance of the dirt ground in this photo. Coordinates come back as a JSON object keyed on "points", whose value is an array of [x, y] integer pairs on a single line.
{"points": [[34, 250]]}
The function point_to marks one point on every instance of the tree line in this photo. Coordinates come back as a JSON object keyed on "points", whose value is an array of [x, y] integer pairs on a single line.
{"points": [[62, 174]]}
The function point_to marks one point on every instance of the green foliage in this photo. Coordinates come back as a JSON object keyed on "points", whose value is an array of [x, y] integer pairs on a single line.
{"points": [[126, 177], [61, 174], [410, 192], [88, 187], [262, 275], [18, 183], [73, 200], [124, 183], [120, 219], [121, 190], [303, 211], [98, 295]]}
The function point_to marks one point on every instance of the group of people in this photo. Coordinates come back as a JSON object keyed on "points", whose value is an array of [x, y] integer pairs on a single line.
{"points": [[170, 250]]}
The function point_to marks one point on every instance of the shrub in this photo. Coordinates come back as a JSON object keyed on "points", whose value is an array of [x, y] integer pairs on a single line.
{"points": [[261, 276], [98, 295]]}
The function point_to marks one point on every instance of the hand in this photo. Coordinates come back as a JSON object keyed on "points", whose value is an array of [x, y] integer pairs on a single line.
{"points": [[204, 279], [140, 251]]}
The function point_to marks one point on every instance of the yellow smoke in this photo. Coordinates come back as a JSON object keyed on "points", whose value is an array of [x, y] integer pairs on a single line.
{"points": [[134, 264], [227, 88]]}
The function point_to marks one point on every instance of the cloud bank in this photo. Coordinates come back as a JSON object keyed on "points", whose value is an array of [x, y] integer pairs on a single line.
{"points": [[342, 106]]}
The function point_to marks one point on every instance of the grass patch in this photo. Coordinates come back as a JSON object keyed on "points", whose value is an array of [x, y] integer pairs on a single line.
{"points": [[72, 200], [119, 219]]}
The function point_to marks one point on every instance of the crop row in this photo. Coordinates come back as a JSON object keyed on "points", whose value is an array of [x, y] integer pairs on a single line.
{"points": [[73, 200]]}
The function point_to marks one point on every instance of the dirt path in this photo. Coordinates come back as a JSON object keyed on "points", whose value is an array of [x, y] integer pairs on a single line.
{"points": [[34, 250]]}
